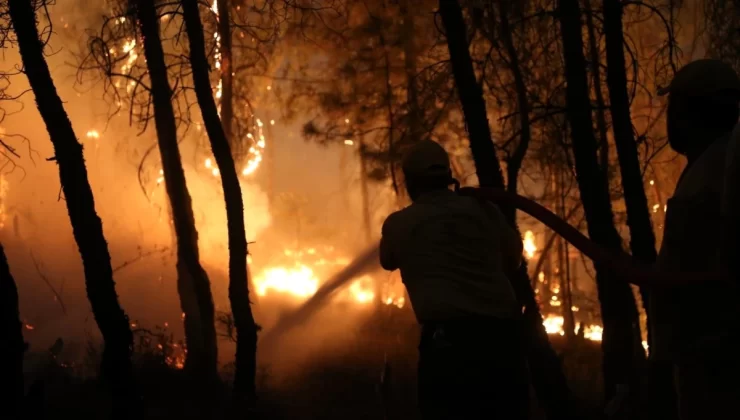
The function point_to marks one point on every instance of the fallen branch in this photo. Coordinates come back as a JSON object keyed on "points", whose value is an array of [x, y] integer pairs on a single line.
{"points": [[41, 274], [139, 258]]}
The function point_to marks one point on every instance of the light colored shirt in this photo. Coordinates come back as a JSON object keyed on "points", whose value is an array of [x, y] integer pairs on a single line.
{"points": [[689, 321], [453, 254]]}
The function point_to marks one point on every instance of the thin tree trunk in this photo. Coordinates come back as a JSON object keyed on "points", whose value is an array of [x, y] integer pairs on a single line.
{"points": [[547, 375], [642, 236], [246, 329], [12, 346], [471, 96], [192, 282], [618, 308], [227, 79], [514, 164], [87, 227], [600, 103], [414, 114], [365, 195]]}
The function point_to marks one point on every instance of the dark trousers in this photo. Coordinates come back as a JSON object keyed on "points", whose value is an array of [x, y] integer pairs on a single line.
{"points": [[473, 369]]}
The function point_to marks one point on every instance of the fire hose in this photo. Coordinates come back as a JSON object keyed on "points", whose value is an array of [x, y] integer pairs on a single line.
{"points": [[619, 263]]}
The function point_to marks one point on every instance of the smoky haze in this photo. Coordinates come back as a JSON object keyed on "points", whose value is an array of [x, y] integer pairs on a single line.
{"points": [[38, 237]]}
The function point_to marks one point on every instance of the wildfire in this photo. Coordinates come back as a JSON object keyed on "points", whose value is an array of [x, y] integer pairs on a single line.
{"points": [[255, 153], [555, 325], [300, 280], [529, 245]]}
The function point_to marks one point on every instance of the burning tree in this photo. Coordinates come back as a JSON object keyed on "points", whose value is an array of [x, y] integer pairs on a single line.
{"points": [[193, 283], [86, 225], [115, 53]]}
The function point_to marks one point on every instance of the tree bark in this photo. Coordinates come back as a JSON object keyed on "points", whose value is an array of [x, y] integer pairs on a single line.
{"points": [[618, 308], [12, 346], [547, 375], [246, 329], [192, 282], [593, 49], [642, 236], [87, 227], [227, 79], [514, 163], [413, 113]]}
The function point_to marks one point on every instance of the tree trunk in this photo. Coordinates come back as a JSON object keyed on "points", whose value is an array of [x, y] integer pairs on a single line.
{"points": [[618, 308], [471, 96], [12, 346], [87, 227], [413, 113], [547, 375], [246, 329], [192, 282], [593, 49], [227, 79], [642, 236], [514, 163], [365, 195]]}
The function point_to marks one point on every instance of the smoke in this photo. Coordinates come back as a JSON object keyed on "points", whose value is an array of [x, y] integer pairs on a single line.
{"points": [[123, 168]]}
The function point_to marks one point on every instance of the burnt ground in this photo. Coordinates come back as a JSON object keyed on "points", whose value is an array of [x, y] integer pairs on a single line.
{"points": [[374, 378]]}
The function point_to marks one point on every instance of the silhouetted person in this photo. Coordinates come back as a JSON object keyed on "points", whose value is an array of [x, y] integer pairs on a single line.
{"points": [[454, 254], [695, 327]]}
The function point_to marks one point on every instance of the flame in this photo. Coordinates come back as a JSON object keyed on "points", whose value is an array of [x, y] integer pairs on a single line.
{"points": [[555, 325], [255, 153], [301, 279], [529, 245], [298, 281]]}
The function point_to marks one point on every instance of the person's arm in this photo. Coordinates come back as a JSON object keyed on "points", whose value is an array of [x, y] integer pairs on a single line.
{"points": [[387, 245]]}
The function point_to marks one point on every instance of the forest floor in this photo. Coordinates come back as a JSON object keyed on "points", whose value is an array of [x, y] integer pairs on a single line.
{"points": [[372, 379]]}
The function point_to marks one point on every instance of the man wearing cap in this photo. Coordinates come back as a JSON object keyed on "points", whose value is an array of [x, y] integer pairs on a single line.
{"points": [[695, 327], [455, 254]]}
